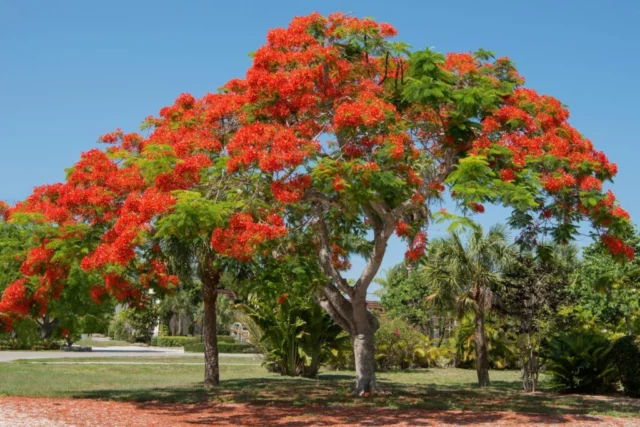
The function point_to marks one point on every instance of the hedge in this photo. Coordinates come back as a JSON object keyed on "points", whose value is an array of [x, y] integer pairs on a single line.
{"points": [[223, 347], [224, 342], [176, 341]]}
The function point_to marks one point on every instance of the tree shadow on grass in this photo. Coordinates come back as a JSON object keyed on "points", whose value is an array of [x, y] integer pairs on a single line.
{"points": [[275, 400]]}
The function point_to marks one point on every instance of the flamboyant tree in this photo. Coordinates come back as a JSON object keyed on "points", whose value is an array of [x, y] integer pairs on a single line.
{"points": [[360, 138], [120, 212], [350, 137]]}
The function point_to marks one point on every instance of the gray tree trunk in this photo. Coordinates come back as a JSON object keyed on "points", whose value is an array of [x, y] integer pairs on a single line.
{"points": [[210, 279], [364, 350], [482, 358]]}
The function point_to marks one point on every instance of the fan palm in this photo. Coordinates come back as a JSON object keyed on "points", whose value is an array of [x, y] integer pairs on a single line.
{"points": [[463, 277]]}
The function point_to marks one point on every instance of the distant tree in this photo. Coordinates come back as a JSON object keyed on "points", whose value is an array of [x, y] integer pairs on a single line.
{"points": [[534, 287], [403, 295], [607, 292], [464, 278]]}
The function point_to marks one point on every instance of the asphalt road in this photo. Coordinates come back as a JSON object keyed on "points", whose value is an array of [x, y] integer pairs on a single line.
{"points": [[8, 356]]}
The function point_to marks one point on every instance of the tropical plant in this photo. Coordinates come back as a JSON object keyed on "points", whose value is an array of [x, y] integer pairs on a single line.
{"points": [[580, 361], [607, 292], [625, 357], [463, 278], [400, 346]]}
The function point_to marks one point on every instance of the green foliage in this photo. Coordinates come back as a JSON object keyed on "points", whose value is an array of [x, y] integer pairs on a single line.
{"points": [[26, 335], [535, 286], [295, 337], [605, 292], [403, 296], [580, 361], [399, 346], [166, 341], [463, 276], [625, 357], [134, 325], [14, 240]]}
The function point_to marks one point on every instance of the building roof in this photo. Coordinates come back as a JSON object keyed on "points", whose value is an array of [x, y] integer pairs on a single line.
{"points": [[374, 306], [227, 293]]}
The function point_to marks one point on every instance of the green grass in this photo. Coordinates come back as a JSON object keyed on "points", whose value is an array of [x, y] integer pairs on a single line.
{"points": [[443, 389]]}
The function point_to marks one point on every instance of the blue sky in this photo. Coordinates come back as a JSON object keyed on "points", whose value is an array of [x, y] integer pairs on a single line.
{"points": [[71, 71]]}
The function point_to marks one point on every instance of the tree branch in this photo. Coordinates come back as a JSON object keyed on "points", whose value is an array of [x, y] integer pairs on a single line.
{"points": [[325, 257]]}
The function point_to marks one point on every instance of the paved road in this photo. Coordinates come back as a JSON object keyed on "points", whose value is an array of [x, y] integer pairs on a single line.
{"points": [[8, 356]]}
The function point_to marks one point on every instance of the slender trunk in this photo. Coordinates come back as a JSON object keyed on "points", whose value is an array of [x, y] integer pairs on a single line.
{"points": [[210, 278], [627, 320], [482, 359], [364, 350]]}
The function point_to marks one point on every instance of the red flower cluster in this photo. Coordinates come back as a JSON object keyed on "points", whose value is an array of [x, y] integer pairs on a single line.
{"points": [[15, 299], [477, 207], [339, 258], [244, 235], [282, 298], [403, 229], [617, 247], [291, 190], [418, 247], [461, 63]]}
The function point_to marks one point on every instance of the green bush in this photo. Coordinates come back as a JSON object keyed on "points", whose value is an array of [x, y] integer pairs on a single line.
{"points": [[223, 347], [626, 359], [399, 346], [181, 341], [26, 336], [134, 325], [119, 328], [176, 341], [579, 361]]}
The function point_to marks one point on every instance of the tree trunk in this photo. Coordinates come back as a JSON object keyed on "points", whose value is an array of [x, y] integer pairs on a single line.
{"points": [[46, 326], [364, 350], [627, 320], [210, 278], [482, 358]]}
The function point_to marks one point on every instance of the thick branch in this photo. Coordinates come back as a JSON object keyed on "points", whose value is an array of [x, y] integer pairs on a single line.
{"points": [[325, 257], [375, 260], [334, 303]]}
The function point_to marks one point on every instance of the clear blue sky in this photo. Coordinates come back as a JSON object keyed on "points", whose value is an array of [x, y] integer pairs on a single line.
{"points": [[73, 70]]}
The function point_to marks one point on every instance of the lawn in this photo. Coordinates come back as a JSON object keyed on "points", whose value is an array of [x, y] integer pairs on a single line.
{"points": [[171, 379]]}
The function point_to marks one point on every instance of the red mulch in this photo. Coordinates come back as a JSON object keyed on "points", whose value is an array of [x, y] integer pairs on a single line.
{"points": [[29, 412]]}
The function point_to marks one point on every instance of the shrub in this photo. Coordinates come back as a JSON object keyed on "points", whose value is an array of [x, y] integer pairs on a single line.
{"points": [[134, 325], [398, 345], [119, 328], [26, 336], [579, 361], [626, 359], [226, 338], [176, 341], [223, 347]]}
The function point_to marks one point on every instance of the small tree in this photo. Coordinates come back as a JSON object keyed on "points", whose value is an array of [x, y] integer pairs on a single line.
{"points": [[465, 277], [534, 287]]}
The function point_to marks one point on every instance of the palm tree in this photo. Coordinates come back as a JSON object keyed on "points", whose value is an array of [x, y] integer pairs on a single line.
{"points": [[463, 277]]}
